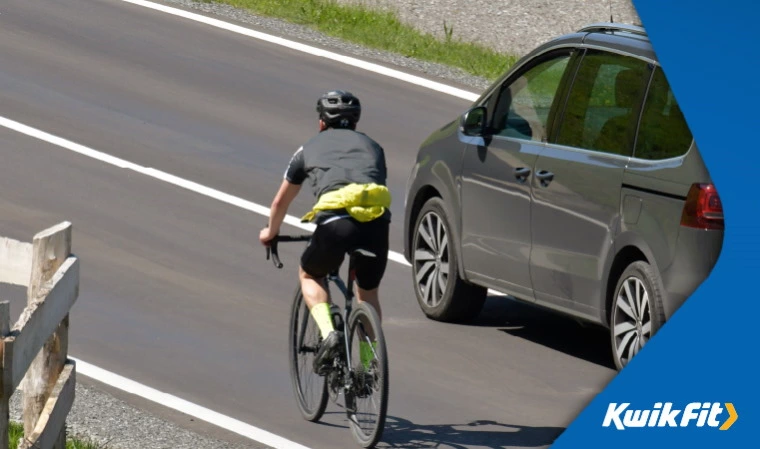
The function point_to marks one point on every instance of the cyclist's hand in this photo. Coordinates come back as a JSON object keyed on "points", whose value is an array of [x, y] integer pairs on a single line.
{"points": [[266, 235]]}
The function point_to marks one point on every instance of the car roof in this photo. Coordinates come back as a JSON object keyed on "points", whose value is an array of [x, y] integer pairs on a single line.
{"points": [[624, 38], [621, 37]]}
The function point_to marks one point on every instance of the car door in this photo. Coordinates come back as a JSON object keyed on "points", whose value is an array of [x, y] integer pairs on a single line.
{"points": [[496, 171], [578, 179]]}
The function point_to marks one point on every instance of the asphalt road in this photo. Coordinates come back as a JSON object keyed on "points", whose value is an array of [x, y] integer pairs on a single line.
{"points": [[176, 293]]}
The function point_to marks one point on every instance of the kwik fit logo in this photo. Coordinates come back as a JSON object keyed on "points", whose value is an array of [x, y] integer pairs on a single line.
{"points": [[695, 414]]}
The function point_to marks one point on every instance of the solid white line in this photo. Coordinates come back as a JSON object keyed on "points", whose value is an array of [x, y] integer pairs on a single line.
{"points": [[61, 142], [166, 177], [376, 68], [189, 408]]}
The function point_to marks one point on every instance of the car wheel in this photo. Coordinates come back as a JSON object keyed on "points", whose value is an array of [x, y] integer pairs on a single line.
{"points": [[637, 311], [441, 292]]}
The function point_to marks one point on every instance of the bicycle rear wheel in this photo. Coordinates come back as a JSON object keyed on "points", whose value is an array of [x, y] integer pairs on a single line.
{"points": [[310, 388], [367, 400]]}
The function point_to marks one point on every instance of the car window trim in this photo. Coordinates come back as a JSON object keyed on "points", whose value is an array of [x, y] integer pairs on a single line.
{"points": [[641, 161], [487, 97], [567, 82], [558, 146], [652, 70], [619, 52]]}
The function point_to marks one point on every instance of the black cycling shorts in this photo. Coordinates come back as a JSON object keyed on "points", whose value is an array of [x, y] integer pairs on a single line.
{"points": [[333, 240]]}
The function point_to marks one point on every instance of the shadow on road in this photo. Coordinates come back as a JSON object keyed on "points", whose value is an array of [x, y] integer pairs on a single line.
{"points": [[547, 328], [402, 433]]}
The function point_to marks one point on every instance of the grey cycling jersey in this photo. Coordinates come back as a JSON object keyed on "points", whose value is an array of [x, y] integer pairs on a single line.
{"points": [[335, 158]]}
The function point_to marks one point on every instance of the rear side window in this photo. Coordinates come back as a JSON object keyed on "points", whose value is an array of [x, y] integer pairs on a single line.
{"points": [[604, 103], [663, 132]]}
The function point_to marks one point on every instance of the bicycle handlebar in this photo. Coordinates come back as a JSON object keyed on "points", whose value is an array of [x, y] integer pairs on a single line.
{"points": [[272, 247]]}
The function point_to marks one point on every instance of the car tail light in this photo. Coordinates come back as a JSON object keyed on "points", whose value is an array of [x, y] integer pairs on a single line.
{"points": [[703, 209]]}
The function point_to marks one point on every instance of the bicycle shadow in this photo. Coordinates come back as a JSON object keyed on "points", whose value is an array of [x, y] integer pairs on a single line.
{"points": [[547, 328], [404, 434]]}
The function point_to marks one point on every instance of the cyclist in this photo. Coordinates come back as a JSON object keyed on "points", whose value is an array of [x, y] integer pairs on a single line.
{"points": [[347, 173]]}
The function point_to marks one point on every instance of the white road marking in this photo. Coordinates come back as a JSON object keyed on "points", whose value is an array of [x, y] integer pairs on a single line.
{"points": [[375, 68], [194, 410], [163, 176]]}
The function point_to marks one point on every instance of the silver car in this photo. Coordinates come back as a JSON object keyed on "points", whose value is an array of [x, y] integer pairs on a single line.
{"points": [[573, 183]]}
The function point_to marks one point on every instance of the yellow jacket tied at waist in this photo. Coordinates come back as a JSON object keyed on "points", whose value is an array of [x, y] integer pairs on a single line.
{"points": [[364, 202]]}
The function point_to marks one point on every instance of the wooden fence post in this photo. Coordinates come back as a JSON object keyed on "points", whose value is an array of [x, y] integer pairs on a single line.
{"points": [[51, 247], [5, 328]]}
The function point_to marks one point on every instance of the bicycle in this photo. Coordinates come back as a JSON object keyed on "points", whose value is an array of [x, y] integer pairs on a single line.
{"points": [[357, 382]]}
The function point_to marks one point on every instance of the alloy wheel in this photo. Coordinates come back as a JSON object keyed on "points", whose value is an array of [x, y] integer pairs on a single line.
{"points": [[632, 323], [431, 259]]}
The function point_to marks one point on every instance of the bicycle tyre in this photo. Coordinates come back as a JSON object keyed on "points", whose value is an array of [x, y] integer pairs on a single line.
{"points": [[301, 363], [367, 314]]}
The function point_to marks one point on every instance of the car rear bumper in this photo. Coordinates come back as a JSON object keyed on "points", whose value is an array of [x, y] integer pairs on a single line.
{"points": [[696, 253]]}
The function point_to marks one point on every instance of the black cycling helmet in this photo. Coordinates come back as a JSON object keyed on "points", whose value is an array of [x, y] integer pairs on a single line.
{"points": [[339, 109]]}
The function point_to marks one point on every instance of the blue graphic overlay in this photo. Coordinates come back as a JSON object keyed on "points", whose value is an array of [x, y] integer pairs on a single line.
{"points": [[695, 385]]}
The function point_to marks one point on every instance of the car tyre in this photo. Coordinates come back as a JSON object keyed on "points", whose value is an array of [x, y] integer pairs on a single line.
{"points": [[441, 292], [637, 312]]}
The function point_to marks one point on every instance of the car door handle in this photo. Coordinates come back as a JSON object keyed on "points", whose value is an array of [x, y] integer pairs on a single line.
{"points": [[545, 177], [521, 173]]}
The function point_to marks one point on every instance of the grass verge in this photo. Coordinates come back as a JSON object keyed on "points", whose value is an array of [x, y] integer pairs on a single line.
{"points": [[16, 432], [382, 30]]}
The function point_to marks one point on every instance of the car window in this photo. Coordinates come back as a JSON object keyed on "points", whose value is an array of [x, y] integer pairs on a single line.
{"points": [[522, 110], [604, 102], [663, 132]]}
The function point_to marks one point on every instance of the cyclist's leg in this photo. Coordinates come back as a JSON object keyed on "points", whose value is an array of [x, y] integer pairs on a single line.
{"points": [[317, 299], [322, 256], [369, 274], [370, 270], [371, 297]]}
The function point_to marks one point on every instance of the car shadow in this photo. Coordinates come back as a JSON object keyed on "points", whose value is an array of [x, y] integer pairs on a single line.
{"points": [[402, 433], [547, 328]]}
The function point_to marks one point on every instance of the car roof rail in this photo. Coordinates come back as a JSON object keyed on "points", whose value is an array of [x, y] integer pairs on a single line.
{"points": [[609, 26]]}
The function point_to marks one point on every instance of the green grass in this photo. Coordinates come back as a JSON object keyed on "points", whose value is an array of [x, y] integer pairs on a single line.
{"points": [[16, 432], [382, 30]]}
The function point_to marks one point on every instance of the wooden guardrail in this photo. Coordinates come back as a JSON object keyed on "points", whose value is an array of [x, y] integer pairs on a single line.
{"points": [[34, 352]]}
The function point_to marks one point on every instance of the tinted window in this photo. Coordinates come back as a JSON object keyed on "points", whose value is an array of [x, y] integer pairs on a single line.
{"points": [[604, 102], [663, 132], [522, 110]]}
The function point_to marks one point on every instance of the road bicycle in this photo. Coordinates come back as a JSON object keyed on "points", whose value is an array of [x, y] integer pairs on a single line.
{"points": [[363, 383]]}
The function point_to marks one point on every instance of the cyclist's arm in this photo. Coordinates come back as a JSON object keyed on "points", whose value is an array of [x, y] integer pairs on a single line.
{"points": [[295, 175], [280, 204]]}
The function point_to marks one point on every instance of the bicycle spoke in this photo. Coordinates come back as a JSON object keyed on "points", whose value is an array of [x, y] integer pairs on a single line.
{"points": [[310, 388]]}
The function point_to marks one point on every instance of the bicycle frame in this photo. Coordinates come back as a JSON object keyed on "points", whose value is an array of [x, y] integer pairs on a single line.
{"points": [[347, 289], [348, 296]]}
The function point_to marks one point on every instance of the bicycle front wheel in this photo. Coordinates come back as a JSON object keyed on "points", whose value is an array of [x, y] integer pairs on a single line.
{"points": [[367, 399], [310, 388]]}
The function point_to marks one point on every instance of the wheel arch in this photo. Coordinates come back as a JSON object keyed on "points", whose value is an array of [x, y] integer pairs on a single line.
{"points": [[631, 249], [424, 194]]}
